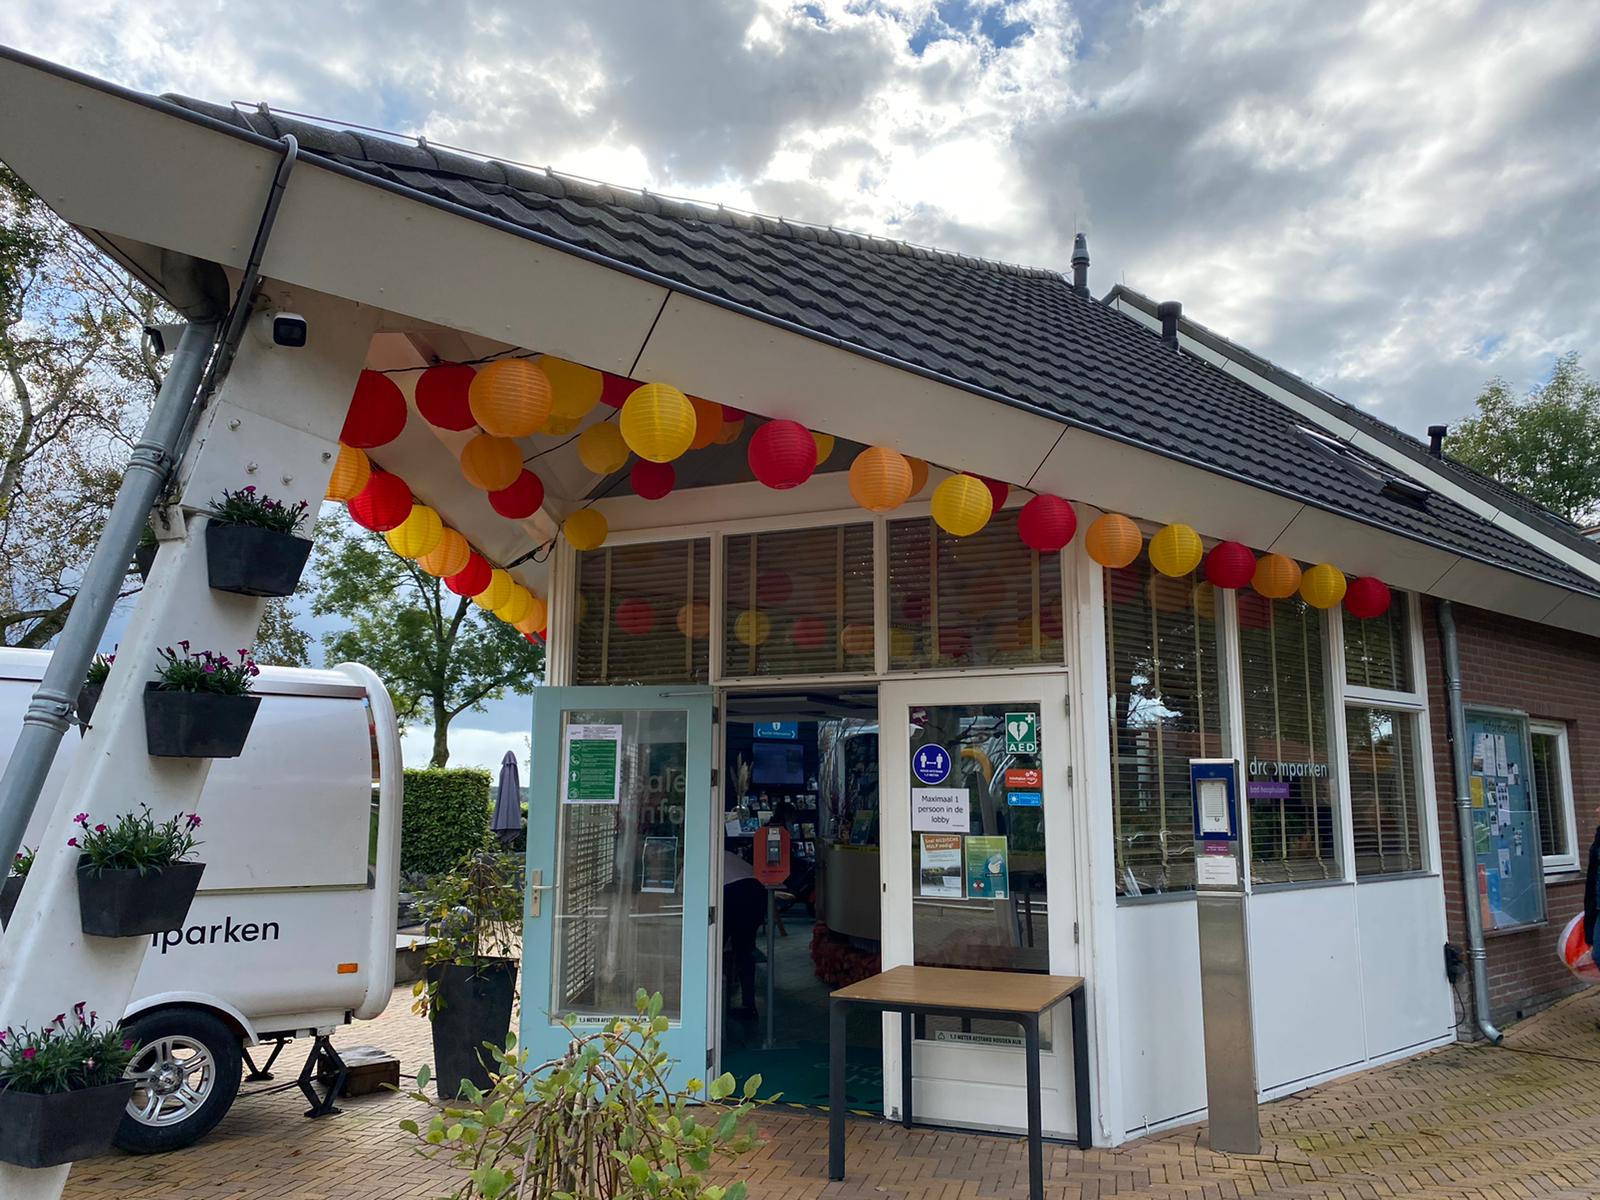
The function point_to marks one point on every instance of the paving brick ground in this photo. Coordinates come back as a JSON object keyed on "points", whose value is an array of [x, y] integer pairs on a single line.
{"points": [[1464, 1123]]}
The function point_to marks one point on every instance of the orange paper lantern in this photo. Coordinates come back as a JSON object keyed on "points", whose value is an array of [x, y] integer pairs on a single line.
{"points": [[510, 397], [919, 474], [491, 463], [351, 470], [731, 430], [707, 422], [449, 557], [1277, 576], [1112, 540], [824, 443], [498, 592], [880, 479]]}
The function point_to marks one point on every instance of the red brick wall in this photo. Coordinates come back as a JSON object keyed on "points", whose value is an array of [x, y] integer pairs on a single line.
{"points": [[1548, 673]]}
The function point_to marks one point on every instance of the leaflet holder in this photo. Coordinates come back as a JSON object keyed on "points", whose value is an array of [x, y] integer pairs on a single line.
{"points": [[1221, 905]]}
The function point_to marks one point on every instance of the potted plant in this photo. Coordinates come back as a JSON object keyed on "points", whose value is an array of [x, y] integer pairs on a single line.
{"points": [[200, 705], [597, 1121], [251, 545], [94, 683], [12, 887], [472, 915], [62, 1094], [144, 554], [133, 877]]}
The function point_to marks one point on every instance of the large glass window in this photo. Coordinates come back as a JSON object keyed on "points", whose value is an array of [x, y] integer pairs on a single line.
{"points": [[984, 600], [1289, 779], [1162, 664], [1552, 788], [1386, 813], [1377, 651], [798, 602], [644, 613]]}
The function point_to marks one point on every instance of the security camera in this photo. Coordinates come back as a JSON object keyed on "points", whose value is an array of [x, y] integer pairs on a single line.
{"points": [[163, 339], [289, 329]]}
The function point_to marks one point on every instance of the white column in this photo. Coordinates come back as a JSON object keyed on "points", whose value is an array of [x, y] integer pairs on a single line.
{"points": [[279, 412]]}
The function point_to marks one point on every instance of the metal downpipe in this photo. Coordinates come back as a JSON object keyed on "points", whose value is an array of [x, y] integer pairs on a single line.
{"points": [[1461, 771]]}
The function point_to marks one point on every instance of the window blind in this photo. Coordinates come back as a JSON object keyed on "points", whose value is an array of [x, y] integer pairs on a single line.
{"points": [[1385, 795], [1550, 793], [1377, 651], [644, 613], [798, 602]]}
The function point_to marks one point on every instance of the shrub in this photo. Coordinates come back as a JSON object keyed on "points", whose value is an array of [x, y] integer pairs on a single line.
{"points": [[137, 842], [446, 817]]}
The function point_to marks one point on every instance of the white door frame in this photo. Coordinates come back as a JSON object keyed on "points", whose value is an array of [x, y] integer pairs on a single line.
{"points": [[991, 1077]]}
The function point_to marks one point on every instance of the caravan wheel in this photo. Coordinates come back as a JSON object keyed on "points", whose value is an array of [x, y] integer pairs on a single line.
{"points": [[187, 1072]]}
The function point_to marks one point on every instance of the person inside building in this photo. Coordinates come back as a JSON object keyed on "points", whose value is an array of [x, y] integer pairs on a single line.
{"points": [[744, 907], [1591, 888]]}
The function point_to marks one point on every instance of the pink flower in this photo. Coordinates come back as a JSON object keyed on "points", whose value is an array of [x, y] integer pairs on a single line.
{"points": [[82, 818], [29, 1054], [127, 1043], [61, 1019], [100, 828], [77, 1009], [250, 489], [185, 646], [2, 1037], [72, 841], [194, 820]]}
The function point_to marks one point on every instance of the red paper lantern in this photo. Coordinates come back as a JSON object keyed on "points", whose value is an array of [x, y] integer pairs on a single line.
{"points": [[472, 578], [1255, 610], [377, 412], [635, 616], [997, 490], [616, 389], [809, 633], [442, 396], [1046, 523], [1230, 565], [522, 499], [783, 454], [954, 642], [536, 639], [731, 414], [652, 480], [1367, 597], [382, 504], [774, 588]]}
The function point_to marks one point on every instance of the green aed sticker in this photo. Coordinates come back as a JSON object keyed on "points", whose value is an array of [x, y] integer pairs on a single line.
{"points": [[1022, 733]]}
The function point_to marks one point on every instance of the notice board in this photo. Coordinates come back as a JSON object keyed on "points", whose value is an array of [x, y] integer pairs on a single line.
{"points": [[1505, 820]]}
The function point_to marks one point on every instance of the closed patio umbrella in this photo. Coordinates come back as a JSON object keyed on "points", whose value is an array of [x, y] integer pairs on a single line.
{"points": [[507, 823]]}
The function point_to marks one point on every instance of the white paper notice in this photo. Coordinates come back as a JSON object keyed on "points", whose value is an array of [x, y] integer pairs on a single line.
{"points": [[1216, 870], [939, 810], [1214, 807]]}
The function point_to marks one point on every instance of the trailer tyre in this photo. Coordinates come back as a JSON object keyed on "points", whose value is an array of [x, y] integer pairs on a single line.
{"points": [[188, 1067]]}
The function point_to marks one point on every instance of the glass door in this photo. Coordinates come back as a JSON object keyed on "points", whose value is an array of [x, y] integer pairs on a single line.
{"points": [[977, 874], [619, 838]]}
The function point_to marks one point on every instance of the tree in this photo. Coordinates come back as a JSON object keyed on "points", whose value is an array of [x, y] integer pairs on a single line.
{"points": [[439, 654], [1543, 445]]}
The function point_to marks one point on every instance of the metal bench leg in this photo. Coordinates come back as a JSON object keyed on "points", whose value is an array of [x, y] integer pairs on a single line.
{"points": [[905, 1068], [836, 1051], [1030, 1034], [1080, 1067]]}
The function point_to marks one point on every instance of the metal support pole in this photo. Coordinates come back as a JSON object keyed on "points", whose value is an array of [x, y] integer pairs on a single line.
{"points": [[159, 448], [772, 957], [836, 1068]]}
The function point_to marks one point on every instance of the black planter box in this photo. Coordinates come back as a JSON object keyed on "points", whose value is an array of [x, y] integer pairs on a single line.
{"points": [[9, 891], [474, 1007], [144, 557], [251, 561], [128, 904], [196, 724], [88, 697], [46, 1131]]}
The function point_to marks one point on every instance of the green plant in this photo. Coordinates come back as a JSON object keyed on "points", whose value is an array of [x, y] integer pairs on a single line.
{"points": [[245, 507], [63, 1056], [445, 816], [597, 1123], [206, 672], [99, 669], [136, 842], [472, 913], [23, 863]]}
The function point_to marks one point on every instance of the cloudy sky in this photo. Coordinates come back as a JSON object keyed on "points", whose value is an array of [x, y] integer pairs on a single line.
{"points": [[1397, 201]]}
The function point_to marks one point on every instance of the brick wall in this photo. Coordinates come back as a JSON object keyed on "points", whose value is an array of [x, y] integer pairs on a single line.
{"points": [[1548, 673]]}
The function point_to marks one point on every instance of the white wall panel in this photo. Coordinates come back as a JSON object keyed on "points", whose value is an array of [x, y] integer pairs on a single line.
{"points": [[1158, 1000], [1405, 997]]}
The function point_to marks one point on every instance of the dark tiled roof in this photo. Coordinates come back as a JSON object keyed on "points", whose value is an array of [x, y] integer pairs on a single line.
{"points": [[1016, 334]]}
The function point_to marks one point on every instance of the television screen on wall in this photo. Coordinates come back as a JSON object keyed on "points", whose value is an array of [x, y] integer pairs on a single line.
{"points": [[778, 764]]}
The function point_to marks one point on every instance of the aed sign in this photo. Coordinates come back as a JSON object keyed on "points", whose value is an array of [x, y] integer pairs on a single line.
{"points": [[1022, 733]]}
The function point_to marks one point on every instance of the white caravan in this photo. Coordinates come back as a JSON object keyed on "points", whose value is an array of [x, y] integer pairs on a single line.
{"points": [[293, 931]]}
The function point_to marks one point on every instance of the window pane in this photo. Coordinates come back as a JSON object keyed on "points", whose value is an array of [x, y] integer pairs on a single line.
{"points": [[1550, 789], [1385, 798], [1289, 788], [1161, 654], [1377, 651], [644, 614], [798, 602], [991, 599]]}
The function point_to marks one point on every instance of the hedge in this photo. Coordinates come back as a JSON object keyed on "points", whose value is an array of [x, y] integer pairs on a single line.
{"points": [[446, 815]]}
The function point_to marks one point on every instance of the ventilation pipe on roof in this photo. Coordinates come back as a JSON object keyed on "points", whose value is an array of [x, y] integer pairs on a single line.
{"points": [[1436, 435], [1457, 725], [1080, 265], [1169, 311]]}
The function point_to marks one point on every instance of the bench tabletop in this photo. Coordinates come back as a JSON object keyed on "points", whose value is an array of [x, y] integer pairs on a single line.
{"points": [[955, 988]]}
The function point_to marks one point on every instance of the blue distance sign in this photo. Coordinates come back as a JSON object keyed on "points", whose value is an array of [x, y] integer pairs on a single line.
{"points": [[930, 764]]}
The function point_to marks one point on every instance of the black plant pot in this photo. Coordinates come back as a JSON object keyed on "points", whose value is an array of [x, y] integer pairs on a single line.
{"points": [[46, 1131], [252, 561], [88, 697], [144, 557], [474, 1007], [9, 891], [196, 724], [127, 904]]}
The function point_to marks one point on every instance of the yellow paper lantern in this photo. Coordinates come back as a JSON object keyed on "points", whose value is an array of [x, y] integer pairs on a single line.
{"points": [[1176, 550], [1322, 586], [657, 422], [919, 474], [498, 592], [857, 639], [555, 426], [1205, 601], [730, 432], [574, 388], [752, 627], [586, 529], [880, 479], [1277, 576], [351, 470], [448, 557], [694, 620], [902, 643], [1112, 540], [707, 422], [491, 463], [419, 534], [824, 443], [517, 606], [962, 505], [601, 448], [509, 397]]}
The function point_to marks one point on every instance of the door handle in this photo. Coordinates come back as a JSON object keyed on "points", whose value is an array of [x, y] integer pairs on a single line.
{"points": [[535, 887]]}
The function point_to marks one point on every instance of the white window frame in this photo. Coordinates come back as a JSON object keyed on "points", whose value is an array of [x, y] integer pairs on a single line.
{"points": [[1559, 864]]}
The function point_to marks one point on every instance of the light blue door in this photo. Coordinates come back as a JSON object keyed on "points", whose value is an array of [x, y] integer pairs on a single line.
{"points": [[619, 839]]}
